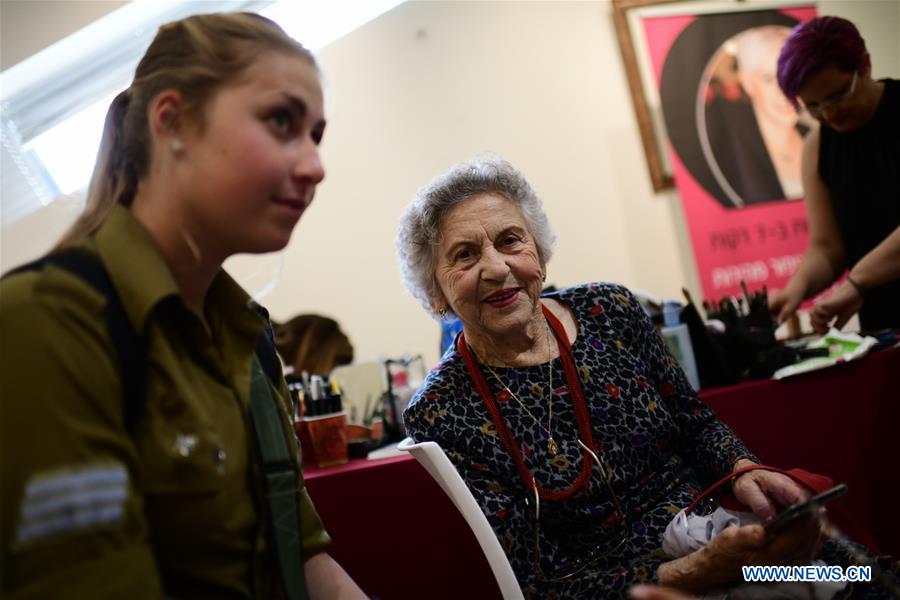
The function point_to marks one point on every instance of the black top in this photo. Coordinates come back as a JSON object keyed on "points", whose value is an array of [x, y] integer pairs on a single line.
{"points": [[860, 170]]}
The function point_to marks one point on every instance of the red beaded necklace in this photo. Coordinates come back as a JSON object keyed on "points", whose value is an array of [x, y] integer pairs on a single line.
{"points": [[578, 404]]}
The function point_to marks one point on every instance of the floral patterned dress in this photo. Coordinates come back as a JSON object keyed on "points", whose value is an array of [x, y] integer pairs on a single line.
{"points": [[661, 446]]}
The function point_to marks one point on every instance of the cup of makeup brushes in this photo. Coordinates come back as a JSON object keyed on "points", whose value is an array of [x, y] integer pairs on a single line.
{"points": [[326, 438]]}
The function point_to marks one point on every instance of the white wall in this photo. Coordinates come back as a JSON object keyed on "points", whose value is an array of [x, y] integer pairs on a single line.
{"points": [[431, 83], [879, 23], [27, 26]]}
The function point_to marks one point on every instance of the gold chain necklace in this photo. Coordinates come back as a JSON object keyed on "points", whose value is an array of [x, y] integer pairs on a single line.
{"points": [[552, 446]]}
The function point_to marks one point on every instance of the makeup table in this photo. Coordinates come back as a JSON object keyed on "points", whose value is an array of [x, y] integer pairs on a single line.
{"points": [[400, 537]]}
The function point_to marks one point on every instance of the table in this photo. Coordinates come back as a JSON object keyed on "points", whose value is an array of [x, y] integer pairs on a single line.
{"points": [[843, 422], [397, 533], [400, 537]]}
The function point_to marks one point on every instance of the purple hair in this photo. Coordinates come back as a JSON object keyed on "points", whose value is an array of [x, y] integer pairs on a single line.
{"points": [[817, 44]]}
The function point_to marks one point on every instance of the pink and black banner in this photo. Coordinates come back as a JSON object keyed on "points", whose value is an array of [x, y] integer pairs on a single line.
{"points": [[735, 142]]}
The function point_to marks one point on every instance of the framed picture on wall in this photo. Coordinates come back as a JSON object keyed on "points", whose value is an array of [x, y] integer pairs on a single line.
{"points": [[626, 15], [639, 56], [715, 123]]}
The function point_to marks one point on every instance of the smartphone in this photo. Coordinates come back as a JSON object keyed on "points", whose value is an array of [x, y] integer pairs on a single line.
{"points": [[792, 513]]}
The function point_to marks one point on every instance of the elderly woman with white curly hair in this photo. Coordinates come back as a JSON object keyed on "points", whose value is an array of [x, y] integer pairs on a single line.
{"points": [[565, 414]]}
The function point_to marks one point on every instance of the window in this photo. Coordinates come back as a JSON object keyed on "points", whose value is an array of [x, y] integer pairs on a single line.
{"points": [[54, 103]]}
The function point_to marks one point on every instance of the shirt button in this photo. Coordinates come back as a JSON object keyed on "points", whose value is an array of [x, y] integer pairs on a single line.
{"points": [[220, 460], [185, 443]]}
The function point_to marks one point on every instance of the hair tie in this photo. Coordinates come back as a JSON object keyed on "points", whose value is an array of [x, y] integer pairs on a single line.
{"points": [[123, 99]]}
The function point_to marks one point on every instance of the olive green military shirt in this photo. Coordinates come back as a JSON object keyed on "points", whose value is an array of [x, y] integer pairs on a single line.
{"points": [[89, 511]]}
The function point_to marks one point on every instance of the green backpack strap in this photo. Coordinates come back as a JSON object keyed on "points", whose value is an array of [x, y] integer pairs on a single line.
{"points": [[127, 344], [282, 481]]}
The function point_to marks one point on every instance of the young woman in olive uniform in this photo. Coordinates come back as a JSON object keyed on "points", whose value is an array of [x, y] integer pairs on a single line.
{"points": [[212, 151]]}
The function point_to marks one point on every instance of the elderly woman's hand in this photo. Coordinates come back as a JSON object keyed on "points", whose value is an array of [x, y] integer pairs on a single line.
{"points": [[766, 492], [719, 563]]}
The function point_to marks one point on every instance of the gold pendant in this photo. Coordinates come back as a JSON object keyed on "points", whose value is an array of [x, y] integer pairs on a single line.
{"points": [[552, 448]]}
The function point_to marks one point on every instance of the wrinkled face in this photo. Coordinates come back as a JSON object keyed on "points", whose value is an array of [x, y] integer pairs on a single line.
{"points": [[252, 170], [833, 98], [487, 267]]}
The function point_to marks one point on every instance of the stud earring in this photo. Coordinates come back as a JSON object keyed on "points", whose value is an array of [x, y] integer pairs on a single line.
{"points": [[442, 312], [544, 276], [176, 146]]}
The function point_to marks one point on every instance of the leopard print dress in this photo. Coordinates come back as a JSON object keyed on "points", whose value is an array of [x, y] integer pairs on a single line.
{"points": [[660, 444]]}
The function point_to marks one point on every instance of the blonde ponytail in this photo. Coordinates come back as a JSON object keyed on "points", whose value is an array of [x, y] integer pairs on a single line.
{"points": [[108, 181]]}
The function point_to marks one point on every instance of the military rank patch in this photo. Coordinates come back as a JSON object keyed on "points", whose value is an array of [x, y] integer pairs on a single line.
{"points": [[66, 500]]}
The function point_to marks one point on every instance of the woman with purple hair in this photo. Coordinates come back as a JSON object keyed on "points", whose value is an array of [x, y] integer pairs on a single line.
{"points": [[850, 169]]}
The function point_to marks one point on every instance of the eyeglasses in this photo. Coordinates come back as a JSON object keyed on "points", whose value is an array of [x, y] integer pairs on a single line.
{"points": [[816, 109], [578, 565]]}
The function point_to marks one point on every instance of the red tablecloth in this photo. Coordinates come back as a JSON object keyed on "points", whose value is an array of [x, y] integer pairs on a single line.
{"points": [[843, 422], [397, 533], [400, 537]]}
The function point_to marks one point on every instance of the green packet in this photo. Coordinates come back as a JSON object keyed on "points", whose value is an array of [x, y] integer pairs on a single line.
{"points": [[842, 347]]}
